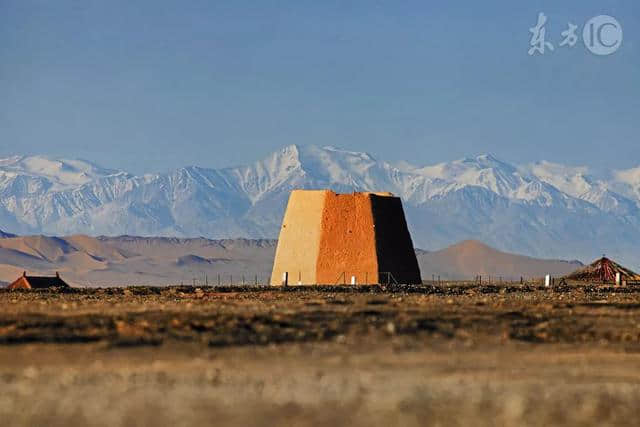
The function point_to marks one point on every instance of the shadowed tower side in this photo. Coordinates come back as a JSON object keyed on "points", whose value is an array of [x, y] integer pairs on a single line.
{"points": [[394, 247]]}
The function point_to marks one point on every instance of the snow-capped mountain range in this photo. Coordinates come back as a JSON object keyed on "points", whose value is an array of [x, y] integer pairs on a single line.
{"points": [[542, 209]]}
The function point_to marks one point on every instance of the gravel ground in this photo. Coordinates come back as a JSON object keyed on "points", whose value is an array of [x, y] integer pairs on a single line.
{"points": [[451, 355]]}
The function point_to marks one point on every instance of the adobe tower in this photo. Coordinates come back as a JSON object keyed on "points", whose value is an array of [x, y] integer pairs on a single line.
{"points": [[328, 238]]}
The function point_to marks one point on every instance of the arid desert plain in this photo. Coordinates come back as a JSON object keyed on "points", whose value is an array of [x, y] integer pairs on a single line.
{"points": [[449, 355]]}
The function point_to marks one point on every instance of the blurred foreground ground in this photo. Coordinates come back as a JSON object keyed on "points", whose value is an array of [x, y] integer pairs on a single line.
{"points": [[428, 356]]}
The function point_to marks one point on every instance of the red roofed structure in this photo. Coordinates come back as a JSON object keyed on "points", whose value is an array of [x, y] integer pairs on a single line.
{"points": [[38, 282]]}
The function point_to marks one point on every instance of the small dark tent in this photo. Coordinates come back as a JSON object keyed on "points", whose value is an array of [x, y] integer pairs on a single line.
{"points": [[603, 270], [38, 282]]}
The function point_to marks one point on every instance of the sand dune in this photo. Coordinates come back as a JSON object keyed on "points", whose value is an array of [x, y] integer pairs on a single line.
{"points": [[130, 260]]}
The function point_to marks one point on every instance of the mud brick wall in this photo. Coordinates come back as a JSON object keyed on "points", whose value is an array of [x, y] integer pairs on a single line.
{"points": [[299, 241], [326, 238], [347, 245]]}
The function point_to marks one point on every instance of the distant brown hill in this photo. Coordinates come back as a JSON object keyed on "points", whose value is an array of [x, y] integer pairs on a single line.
{"points": [[131, 260], [469, 258]]}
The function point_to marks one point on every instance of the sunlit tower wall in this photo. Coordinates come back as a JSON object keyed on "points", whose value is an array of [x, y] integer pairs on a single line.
{"points": [[359, 238]]}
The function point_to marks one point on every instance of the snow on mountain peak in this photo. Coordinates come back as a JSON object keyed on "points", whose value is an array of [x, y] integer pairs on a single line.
{"points": [[484, 171], [627, 182], [359, 154], [526, 208], [486, 161], [628, 176], [60, 173], [573, 180], [457, 168], [8, 161], [332, 166]]}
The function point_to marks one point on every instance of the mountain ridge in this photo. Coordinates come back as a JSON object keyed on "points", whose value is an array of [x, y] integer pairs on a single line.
{"points": [[542, 209]]}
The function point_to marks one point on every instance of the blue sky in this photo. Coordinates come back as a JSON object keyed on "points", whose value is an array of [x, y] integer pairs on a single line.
{"points": [[151, 85]]}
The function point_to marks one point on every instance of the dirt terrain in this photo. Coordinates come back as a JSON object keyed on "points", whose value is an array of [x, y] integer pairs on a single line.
{"points": [[85, 261], [450, 355]]}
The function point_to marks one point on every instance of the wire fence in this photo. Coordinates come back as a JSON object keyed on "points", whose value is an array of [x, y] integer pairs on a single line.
{"points": [[486, 279], [262, 279], [370, 278], [228, 279]]}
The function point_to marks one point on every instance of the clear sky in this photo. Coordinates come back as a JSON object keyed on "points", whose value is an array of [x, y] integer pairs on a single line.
{"points": [[150, 85]]}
